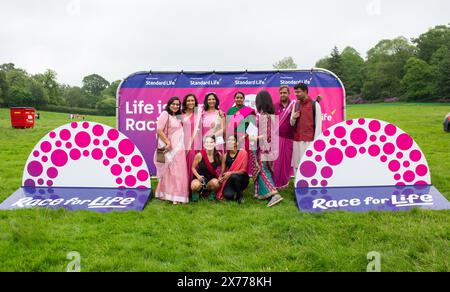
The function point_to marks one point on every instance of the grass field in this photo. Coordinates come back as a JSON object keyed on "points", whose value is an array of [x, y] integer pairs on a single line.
{"points": [[224, 236]]}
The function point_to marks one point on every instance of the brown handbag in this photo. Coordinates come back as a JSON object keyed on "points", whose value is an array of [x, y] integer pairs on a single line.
{"points": [[161, 152]]}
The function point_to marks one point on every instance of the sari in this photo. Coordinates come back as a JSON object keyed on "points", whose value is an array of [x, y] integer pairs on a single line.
{"points": [[239, 165], [238, 119], [192, 138]]}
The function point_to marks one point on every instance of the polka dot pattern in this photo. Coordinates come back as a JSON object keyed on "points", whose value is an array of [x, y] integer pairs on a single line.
{"points": [[93, 144], [381, 142]]}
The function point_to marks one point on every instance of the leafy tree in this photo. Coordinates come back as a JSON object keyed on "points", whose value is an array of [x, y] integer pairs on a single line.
{"points": [[429, 42], [418, 80], [51, 87], [75, 97], [107, 106], [441, 64], [93, 85], [286, 63], [335, 62], [3, 87]]}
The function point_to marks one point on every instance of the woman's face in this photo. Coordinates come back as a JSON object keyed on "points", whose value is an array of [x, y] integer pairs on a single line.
{"points": [[210, 144], [175, 106], [231, 143], [190, 102], [212, 102], [239, 100]]}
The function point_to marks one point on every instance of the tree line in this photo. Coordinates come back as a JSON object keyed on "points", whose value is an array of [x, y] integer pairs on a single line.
{"points": [[397, 69], [42, 91]]}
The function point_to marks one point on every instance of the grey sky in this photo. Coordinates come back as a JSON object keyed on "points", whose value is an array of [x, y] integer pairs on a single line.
{"points": [[116, 38]]}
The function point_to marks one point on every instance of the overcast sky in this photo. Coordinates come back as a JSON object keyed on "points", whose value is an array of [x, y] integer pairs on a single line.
{"points": [[115, 38]]}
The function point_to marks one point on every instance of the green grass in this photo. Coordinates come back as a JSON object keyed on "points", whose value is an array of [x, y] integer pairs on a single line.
{"points": [[224, 236]]}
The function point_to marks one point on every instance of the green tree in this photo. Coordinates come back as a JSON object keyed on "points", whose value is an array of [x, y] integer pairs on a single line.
{"points": [[418, 80], [75, 97], [93, 85], [323, 63], [429, 42], [335, 62], [4, 88], [385, 68], [441, 64], [107, 106], [111, 91], [51, 87], [352, 71], [286, 63]]}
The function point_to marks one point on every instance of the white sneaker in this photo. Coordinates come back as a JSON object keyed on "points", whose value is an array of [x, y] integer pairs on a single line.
{"points": [[275, 200]]}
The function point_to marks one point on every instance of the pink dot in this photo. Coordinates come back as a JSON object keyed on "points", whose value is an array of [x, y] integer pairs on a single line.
{"points": [[421, 183], [302, 184], [324, 183], [85, 153], [361, 121], [119, 181], [127, 168], [319, 145], [40, 181], [415, 155], [399, 155], [130, 181], [68, 145], [49, 183], [116, 169], [121, 160], [373, 138], [374, 126], [390, 130], [400, 184], [44, 158], [394, 166], [96, 142], [97, 154], [75, 154], [52, 135], [59, 158], [29, 183], [142, 175], [383, 138], [326, 133], [74, 125], [105, 143], [421, 170], [35, 153], [397, 176], [318, 158], [106, 162], [362, 150], [98, 130], [113, 134], [64, 135], [136, 161], [334, 156], [409, 176], [111, 153], [344, 143], [126, 147], [340, 132], [349, 122], [35, 168], [52, 172], [383, 158], [404, 141], [82, 139], [326, 172], [308, 169], [314, 182], [388, 148], [406, 164], [374, 150], [358, 136], [46, 146], [333, 142], [350, 152], [309, 153], [85, 125], [58, 143]]}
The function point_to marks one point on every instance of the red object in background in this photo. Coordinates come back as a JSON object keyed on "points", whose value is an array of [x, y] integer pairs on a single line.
{"points": [[22, 117]]}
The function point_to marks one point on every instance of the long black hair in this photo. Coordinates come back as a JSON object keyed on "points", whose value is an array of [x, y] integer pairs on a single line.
{"points": [[184, 105], [264, 103], [239, 92], [205, 102], [169, 103], [216, 153]]}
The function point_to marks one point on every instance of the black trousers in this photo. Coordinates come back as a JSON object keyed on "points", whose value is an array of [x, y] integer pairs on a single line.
{"points": [[236, 184]]}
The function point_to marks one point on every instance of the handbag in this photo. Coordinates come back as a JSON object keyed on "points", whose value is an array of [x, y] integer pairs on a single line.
{"points": [[161, 152]]}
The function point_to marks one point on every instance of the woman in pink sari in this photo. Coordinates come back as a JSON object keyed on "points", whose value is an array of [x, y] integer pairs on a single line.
{"points": [[213, 120], [173, 182], [191, 119]]}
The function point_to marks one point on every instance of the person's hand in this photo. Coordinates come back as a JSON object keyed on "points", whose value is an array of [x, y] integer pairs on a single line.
{"points": [[213, 125], [221, 114], [296, 115], [168, 147], [226, 175]]}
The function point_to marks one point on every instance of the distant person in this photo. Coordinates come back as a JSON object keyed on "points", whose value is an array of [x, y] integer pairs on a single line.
{"points": [[38, 116], [306, 118]]}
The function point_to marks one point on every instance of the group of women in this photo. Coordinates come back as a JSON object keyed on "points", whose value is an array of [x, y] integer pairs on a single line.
{"points": [[209, 154]]}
